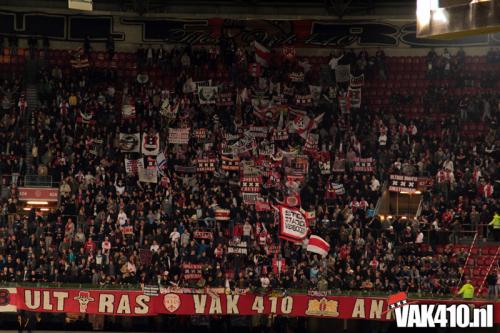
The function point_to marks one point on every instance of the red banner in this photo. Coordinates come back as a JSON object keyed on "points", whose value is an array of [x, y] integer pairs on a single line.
{"points": [[135, 303]]}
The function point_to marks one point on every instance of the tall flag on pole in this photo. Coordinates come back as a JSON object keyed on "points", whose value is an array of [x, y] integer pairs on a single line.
{"points": [[318, 245]]}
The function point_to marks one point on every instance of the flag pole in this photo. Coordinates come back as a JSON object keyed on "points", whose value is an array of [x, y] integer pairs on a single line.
{"points": [[467, 260], [488, 272]]}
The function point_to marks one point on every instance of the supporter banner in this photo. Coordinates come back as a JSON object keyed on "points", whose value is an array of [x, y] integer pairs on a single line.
{"points": [[200, 133], [336, 188], [325, 167], [344, 103], [203, 234], [400, 183], [295, 77], [342, 73], [354, 97], [237, 247], [169, 111], [150, 144], [128, 111], [249, 198], [230, 164], [127, 230], [192, 271], [198, 302], [257, 131], [178, 135], [304, 100], [149, 173], [364, 164], [339, 165], [222, 214], [293, 225], [132, 166], [207, 95], [311, 144], [315, 92], [280, 135], [357, 81], [130, 143], [251, 184], [225, 99], [205, 164]]}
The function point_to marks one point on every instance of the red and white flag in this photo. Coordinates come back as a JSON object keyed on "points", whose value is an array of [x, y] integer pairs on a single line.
{"points": [[262, 54], [318, 245], [222, 214]]}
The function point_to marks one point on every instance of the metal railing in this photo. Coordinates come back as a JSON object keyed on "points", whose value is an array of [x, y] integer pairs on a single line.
{"points": [[135, 287], [38, 181]]}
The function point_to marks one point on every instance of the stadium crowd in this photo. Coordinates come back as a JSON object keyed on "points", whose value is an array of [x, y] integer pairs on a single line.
{"points": [[76, 132]]}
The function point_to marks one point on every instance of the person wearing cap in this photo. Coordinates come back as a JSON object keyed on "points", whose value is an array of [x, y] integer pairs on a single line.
{"points": [[467, 290]]}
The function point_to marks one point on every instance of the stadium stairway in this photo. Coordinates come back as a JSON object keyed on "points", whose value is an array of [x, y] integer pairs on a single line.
{"points": [[33, 103]]}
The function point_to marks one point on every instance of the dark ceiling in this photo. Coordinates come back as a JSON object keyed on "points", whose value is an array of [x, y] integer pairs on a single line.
{"points": [[307, 8]]}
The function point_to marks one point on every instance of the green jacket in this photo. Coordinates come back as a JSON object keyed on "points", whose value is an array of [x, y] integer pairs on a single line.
{"points": [[467, 290], [495, 222]]}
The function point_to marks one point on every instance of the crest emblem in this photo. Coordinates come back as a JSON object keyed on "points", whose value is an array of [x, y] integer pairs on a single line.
{"points": [[323, 308], [172, 302]]}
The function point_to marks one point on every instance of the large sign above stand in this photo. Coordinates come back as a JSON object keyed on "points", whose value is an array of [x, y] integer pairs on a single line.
{"points": [[300, 33]]}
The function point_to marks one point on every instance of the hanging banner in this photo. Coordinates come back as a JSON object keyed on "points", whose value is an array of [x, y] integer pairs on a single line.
{"points": [[199, 302], [230, 164], [130, 143], [132, 166], [205, 165], [148, 173], [357, 81], [178, 135], [342, 73], [293, 225], [128, 111], [207, 95], [200, 133], [295, 77], [303, 100], [225, 99], [251, 184], [192, 271], [151, 144], [237, 247], [203, 234], [400, 183], [364, 164], [355, 97]]}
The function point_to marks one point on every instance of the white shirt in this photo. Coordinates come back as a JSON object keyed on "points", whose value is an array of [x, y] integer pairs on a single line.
{"points": [[420, 238], [375, 184], [122, 218], [174, 236]]}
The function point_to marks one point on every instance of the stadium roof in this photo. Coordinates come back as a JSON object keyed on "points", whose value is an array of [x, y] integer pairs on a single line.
{"points": [[278, 9]]}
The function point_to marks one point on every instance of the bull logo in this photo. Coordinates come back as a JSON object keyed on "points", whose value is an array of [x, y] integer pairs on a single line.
{"points": [[172, 302], [84, 299]]}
